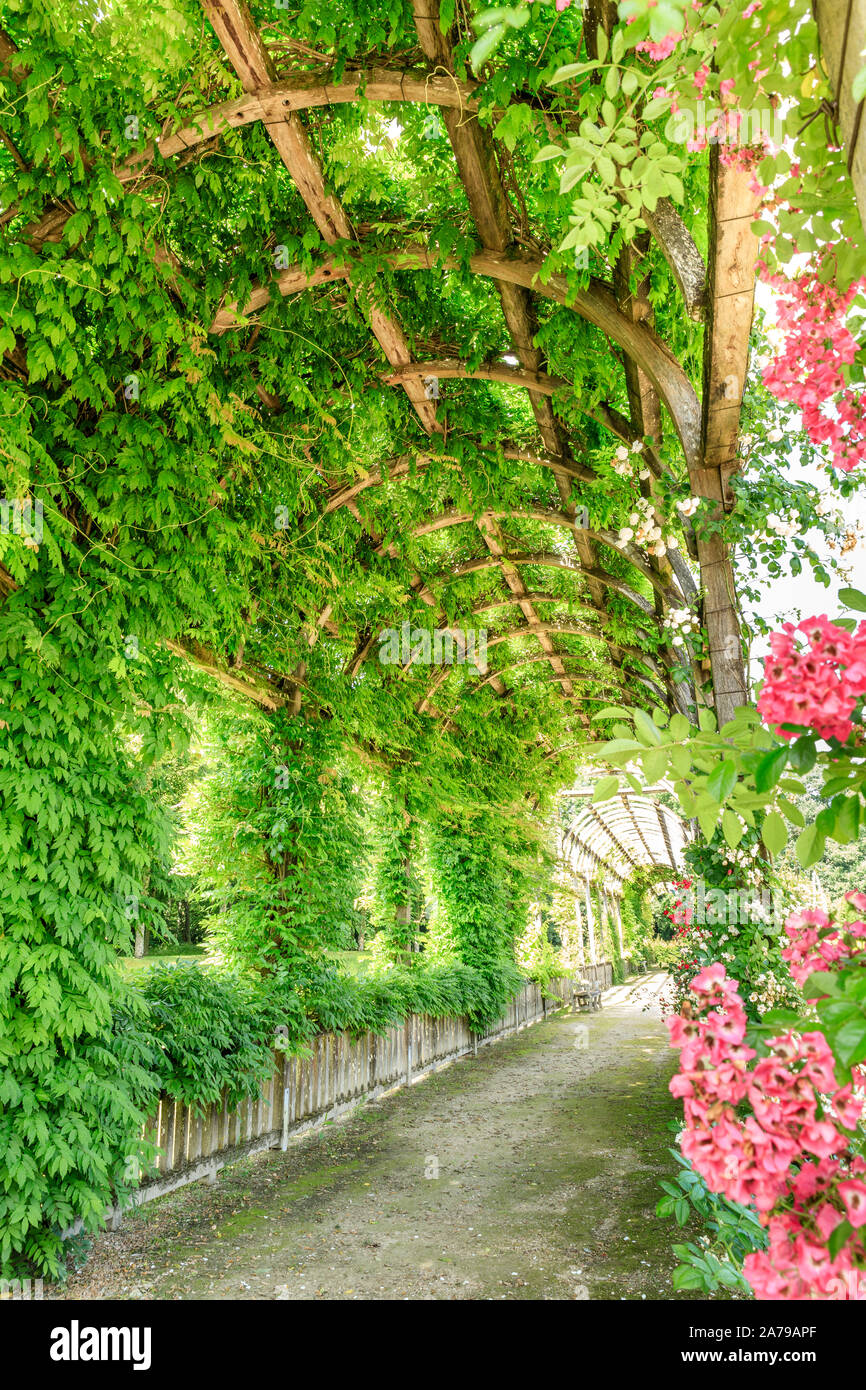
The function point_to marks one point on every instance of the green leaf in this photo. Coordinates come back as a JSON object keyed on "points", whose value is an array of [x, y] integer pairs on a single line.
{"points": [[819, 984], [606, 788], [841, 1234], [732, 829], [645, 727], [654, 764], [770, 769], [681, 760], [810, 846], [483, 48], [570, 70], [680, 727], [849, 1042], [612, 712], [500, 14], [722, 780], [853, 598], [802, 754], [708, 818], [791, 812], [774, 833], [686, 1277], [847, 820], [618, 745]]}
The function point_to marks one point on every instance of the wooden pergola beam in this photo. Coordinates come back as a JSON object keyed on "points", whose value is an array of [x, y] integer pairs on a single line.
{"points": [[402, 466], [245, 50], [564, 628], [597, 304], [596, 678], [552, 560], [243, 44], [732, 259], [842, 31], [555, 518], [539, 383]]}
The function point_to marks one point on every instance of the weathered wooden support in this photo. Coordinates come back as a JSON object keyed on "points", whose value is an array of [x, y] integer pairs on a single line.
{"points": [[842, 31], [732, 259]]}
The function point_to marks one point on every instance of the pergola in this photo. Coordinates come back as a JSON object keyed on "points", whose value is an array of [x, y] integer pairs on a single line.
{"points": [[556, 593], [602, 846], [624, 834]]}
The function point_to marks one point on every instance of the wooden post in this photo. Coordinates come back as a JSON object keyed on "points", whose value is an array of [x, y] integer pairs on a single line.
{"points": [[842, 31]]}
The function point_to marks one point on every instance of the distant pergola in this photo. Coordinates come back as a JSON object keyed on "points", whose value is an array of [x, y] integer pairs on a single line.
{"points": [[605, 844]]}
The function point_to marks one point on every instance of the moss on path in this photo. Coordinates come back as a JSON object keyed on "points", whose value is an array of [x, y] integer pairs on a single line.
{"points": [[528, 1172]]}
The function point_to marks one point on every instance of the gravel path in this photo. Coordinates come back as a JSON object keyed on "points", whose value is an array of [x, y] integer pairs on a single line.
{"points": [[529, 1172]]}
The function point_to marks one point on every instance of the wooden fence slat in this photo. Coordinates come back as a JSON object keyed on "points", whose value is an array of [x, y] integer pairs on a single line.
{"points": [[339, 1070]]}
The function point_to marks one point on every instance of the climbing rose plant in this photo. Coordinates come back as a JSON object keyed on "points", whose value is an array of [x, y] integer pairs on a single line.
{"points": [[818, 685], [809, 370], [771, 1126]]}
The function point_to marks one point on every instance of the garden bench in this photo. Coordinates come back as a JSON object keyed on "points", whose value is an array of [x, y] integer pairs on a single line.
{"points": [[587, 994]]}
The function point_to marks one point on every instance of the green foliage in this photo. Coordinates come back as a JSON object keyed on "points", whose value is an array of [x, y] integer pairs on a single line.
{"points": [[398, 889], [485, 873], [628, 119], [732, 1232], [536, 954], [740, 779], [212, 1033], [79, 834], [278, 838], [841, 865], [665, 954], [638, 927]]}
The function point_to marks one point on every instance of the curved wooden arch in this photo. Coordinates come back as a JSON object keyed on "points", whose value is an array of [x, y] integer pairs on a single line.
{"points": [[535, 660], [450, 369], [537, 596], [540, 596], [609, 691], [550, 560], [556, 518], [601, 679], [597, 304], [561, 629], [270, 104], [401, 466], [567, 626]]}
